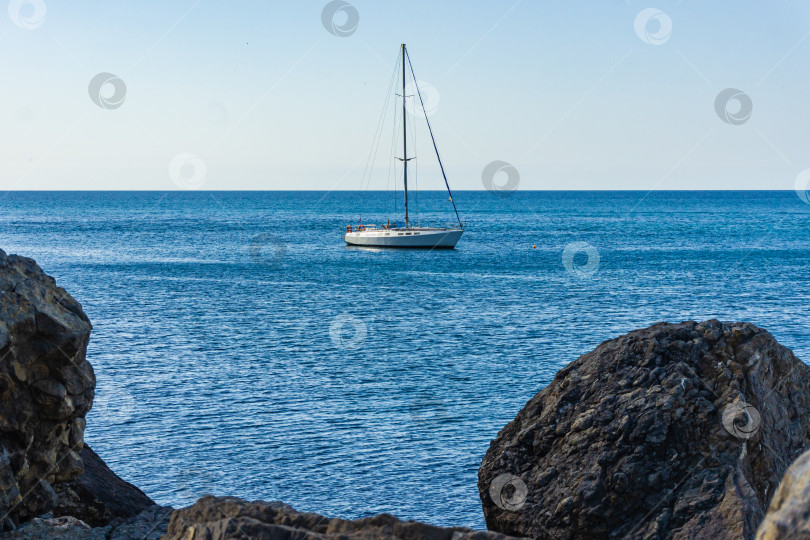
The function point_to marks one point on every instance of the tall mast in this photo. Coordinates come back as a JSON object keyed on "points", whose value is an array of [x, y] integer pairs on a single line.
{"points": [[433, 139], [404, 138]]}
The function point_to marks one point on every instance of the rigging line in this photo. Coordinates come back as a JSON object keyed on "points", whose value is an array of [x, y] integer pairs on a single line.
{"points": [[415, 165], [390, 162], [413, 191], [375, 144], [432, 138], [374, 159], [377, 132], [392, 155], [415, 162], [393, 160], [415, 173], [380, 127]]}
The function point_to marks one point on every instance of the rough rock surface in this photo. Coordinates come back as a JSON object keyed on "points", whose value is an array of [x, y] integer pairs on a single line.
{"points": [[673, 431], [214, 518], [98, 495], [46, 388], [789, 513], [151, 524]]}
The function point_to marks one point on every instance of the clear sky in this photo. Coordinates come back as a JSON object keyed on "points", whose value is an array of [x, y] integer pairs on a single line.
{"points": [[260, 95]]}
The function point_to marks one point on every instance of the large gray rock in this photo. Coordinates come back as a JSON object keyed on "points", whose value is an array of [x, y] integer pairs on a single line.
{"points": [[46, 388], [98, 495], [674, 431], [215, 518], [151, 524], [789, 513]]}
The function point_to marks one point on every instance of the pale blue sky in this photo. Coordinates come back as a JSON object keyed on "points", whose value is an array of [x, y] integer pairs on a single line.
{"points": [[566, 92]]}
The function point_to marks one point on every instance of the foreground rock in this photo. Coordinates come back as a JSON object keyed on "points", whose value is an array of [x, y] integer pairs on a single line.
{"points": [[674, 431], [789, 513], [151, 524], [98, 495], [46, 388], [214, 518]]}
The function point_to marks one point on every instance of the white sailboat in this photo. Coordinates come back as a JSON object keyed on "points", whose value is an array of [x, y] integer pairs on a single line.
{"points": [[396, 236]]}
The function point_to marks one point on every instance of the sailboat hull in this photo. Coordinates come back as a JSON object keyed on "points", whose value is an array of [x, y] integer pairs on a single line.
{"points": [[405, 238]]}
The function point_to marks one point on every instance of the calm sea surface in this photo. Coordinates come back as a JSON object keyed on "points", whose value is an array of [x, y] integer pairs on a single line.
{"points": [[241, 348]]}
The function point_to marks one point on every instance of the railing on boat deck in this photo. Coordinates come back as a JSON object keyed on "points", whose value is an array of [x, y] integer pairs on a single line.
{"points": [[369, 227]]}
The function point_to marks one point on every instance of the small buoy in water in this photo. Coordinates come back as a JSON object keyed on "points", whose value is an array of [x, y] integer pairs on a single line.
{"points": [[534, 247]]}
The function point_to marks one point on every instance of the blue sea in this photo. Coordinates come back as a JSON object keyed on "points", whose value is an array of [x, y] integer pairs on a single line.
{"points": [[242, 349]]}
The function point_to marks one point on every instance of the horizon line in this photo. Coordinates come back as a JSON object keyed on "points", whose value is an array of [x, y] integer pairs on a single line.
{"points": [[389, 191]]}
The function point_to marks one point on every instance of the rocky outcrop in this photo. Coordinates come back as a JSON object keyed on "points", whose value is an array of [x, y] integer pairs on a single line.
{"points": [[46, 388], [674, 431], [789, 513], [151, 524], [214, 518], [98, 495]]}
